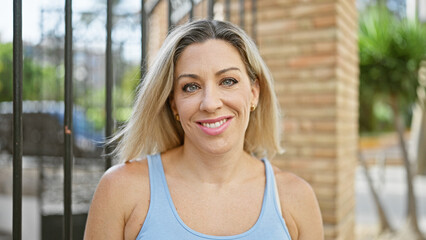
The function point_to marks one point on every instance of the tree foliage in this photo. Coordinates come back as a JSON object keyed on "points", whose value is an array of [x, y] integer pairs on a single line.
{"points": [[39, 82], [391, 50]]}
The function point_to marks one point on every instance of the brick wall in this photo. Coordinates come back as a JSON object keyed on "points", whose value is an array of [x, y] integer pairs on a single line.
{"points": [[421, 125], [157, 29], [311, 48]]}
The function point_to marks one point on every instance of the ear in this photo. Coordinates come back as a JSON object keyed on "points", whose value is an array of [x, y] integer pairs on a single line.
{"points": [[173, 104], [255, 90]]}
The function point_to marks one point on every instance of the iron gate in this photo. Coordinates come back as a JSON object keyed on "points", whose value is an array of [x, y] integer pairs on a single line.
{"points": [[175, 9]]}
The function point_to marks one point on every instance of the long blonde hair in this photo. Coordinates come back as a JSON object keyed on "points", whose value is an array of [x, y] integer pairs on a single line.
{"points": [[152, 127]]}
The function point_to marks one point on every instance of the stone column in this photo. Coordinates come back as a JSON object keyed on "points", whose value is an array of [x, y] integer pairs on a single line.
{"points": [[157, 29], [311, 49], [421, 138]]}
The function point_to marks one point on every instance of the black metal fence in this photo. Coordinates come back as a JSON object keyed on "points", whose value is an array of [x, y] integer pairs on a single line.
{"points": [[17, 118], [68, 124]]}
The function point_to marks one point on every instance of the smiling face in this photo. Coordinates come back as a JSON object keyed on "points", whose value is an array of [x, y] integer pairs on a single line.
{"points": [[213, 94]]}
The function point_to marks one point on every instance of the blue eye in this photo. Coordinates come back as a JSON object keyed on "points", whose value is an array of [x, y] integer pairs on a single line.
{"points": [[229, 81], [190, 87]]}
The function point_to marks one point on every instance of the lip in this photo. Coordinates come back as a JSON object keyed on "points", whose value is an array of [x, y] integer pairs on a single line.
{"points": [[215, 131], [214, 119]]}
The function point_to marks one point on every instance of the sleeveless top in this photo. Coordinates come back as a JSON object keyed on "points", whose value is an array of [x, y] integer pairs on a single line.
{"points": [[163, 222]]}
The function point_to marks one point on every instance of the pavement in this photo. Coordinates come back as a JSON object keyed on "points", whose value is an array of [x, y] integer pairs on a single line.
{"points": [[391, 184]]}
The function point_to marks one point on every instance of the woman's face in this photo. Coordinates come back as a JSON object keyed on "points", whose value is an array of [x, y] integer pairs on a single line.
{"points": [[213, 94]]}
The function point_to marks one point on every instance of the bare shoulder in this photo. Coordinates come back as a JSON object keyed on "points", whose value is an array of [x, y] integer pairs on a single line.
{"points": [[121, 189], [129, 179], [123, 172], [300, 206], [292, 185]]}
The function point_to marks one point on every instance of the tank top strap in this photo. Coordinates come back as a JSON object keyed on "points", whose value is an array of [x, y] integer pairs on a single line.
{"points": [[270, 179], [155, 168], [274, 205], [271, 186], [158, 204], [157, 180]]}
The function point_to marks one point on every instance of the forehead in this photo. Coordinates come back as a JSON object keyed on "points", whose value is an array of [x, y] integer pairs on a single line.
{"points": [[212, 54]]}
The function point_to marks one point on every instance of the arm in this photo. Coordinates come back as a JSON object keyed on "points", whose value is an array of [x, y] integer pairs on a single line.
{"points": [[300, 207], [308, 219], [106, 219]]}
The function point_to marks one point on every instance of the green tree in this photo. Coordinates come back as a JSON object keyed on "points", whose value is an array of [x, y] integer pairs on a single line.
{"points": [[123, 96], [391, 50], [6, 72], [39, 82]]}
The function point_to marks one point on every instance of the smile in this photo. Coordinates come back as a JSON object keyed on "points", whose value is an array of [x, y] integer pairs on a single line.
{"points": [[214, 125]]}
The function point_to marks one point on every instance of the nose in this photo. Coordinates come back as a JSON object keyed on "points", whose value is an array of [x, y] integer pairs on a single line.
{"points": [[211, 99]]}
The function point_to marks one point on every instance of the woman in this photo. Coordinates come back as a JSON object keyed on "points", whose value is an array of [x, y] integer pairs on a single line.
{"points": [[205, 113]]}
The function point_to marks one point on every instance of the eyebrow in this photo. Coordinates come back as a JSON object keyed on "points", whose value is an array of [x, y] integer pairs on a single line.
{"points": [[195, 76], [226, 70]]}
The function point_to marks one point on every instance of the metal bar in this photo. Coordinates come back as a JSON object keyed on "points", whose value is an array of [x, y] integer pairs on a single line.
{"points": [[17, 119], [68, 137], [210, 9], [242, 13], [254, 19], [109, 79], [228, 10], [144, 39], [169, 14], [191, 11]]}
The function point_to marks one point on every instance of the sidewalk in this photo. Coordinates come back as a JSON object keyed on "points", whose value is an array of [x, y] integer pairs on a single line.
{"points": [[391, 185]]}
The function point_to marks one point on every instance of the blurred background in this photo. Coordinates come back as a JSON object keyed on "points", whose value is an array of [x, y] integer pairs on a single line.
{"points": [[350, 77]]}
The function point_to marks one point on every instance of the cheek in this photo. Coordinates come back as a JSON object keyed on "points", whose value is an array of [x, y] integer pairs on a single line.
{"points": [[239, 101], [186, 106], [178, 101], [243, 95]]}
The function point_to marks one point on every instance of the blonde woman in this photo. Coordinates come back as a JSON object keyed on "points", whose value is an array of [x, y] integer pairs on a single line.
{"points": [[195, 150]]}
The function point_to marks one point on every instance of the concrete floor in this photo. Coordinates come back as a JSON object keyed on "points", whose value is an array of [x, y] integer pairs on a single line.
{"points": [[391, 184]]}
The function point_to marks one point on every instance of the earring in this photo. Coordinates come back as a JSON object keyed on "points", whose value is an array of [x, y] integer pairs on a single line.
{"points": [[177, 117], [252, 108]]}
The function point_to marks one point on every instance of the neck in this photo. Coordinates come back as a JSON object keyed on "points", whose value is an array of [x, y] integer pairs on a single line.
{"points": [[212, 168]]}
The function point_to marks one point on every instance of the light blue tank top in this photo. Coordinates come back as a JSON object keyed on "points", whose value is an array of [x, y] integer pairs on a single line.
{"points": [[163, 222]]}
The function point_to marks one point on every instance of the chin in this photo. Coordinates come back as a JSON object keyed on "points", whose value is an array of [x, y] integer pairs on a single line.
{"points": [[215, 147], [219, 147], [217, 150]]}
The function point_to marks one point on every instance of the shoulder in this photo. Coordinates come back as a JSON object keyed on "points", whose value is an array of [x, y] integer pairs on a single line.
{"points": [[292, 185], [299, 205], [124, 178], [125, 183], [123, 172], [120, 190]]}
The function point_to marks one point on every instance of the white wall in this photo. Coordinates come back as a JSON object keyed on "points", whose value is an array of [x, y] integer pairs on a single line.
{"points": [[422, 10], [411, 9], [30, 216]]}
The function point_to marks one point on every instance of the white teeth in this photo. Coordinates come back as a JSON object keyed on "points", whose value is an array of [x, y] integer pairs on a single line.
{"points": [[214, 125]]}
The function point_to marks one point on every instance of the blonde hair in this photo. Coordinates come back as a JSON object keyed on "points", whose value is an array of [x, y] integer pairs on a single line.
{"points": [[152, 127]]}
